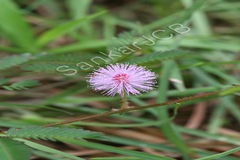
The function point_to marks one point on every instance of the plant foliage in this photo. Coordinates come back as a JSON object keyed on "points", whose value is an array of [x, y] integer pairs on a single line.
{"points": [[14, 27], [51, 133], [124, 39], [52, 62], [160, 56], [11, 61], [21, 84], [4, 80], [13, 150]]}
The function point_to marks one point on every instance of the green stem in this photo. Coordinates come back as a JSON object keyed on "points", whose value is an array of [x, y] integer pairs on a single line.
{"points": [[124, 100], [116, 111]]}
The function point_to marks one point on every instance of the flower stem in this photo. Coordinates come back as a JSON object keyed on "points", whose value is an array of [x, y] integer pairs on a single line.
{"points": [[135, 108], [124, 100]]}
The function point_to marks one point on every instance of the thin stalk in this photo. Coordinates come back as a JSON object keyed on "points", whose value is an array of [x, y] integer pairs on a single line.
{"points": [[124, 100], [116, 111]]}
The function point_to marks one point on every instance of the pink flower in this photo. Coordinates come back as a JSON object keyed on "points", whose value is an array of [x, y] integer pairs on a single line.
{"points": [[122, 78]]}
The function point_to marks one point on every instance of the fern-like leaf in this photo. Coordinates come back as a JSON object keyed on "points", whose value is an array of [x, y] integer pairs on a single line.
{"points": [[52, 62], [52, 133], [3, 80], [62, 58], [160, 56], [47, 66], [8, 62], [21, 85], [125, 39]]}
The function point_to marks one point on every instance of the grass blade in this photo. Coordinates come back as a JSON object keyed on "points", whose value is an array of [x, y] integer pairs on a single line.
{"points": [[13, 26], [64, 28], [115, 150], [13, 150], [220, 154], [47, 149]]}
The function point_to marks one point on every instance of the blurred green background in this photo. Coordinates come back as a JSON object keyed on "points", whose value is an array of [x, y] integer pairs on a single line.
{"points": [[38, 36]]}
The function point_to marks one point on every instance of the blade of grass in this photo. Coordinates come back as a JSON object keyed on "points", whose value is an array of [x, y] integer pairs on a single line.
{"points": [[14, 27], [176, 78], [161, 147], [230, 91], [32, 106], [14, 50], [64, 28], [47, 149], [114, 149], [109, 26], [78, 9], [230, 79], [226, 101], [117, 158], [78, 46], [217, 118], [41, 120], [204, 134], [47, 155], [168, 129], [69, 91], [7, 123], [220, 154], [199, 20]]}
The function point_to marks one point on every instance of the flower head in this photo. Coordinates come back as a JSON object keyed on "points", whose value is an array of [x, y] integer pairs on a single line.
{"points": [[122, 78]]}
